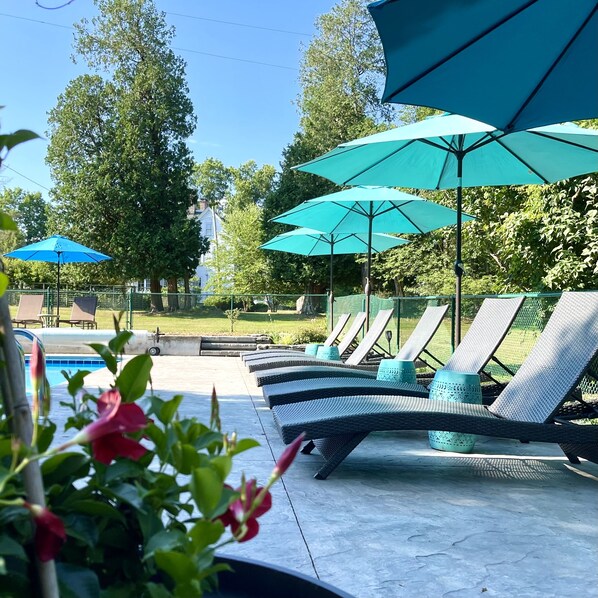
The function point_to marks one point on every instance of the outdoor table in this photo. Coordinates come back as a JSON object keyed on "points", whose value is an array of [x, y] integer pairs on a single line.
{"points": [[49, 320], [401, 371], [459, 387], [312, 348], [328, 353]]}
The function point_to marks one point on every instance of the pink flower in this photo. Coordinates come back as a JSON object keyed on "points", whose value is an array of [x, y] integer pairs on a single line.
{"points": [[242, 515], [288, 456], [106, 434], [49, 532], [37, 372]]}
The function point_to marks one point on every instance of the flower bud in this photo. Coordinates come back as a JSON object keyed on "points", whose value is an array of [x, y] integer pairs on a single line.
{"points": [[288, 456]]}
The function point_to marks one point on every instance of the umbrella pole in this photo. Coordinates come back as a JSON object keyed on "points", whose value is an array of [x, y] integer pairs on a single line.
{"points": [[58, 294], [368, 286], [458, 260], [331, 296]]}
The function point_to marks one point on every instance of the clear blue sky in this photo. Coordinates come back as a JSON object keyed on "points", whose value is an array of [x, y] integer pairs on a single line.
{"points": [[242, 69]]}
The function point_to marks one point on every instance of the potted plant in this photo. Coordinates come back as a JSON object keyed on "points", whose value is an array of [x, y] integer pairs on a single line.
{"points": [[138, 499]]}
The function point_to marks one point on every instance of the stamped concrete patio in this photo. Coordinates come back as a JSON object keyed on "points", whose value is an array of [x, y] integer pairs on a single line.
{"points": [[400, 520]]}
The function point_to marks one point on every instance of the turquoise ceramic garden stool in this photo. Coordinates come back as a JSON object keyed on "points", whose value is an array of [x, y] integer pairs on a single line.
{"points": [[461, 388], [328, 353], [401, 371], [312, 348]]}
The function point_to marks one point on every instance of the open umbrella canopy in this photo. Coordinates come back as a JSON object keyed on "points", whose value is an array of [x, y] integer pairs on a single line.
{"points": [[515, 64], [306, 241], [58, 250], [452, 151], [370, 210]]}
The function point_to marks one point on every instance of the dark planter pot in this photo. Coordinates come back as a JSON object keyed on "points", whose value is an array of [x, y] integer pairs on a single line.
{"points": [[254, 579]]}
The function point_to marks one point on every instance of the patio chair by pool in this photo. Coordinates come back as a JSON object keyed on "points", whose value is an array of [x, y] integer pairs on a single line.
{"points": [[411, 351], [83, 313], [478, 347], [358, 355], [330, 340], [527, 409], [29, 310]]}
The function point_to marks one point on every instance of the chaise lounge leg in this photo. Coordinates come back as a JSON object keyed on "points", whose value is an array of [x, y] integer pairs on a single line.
{"points": [[335, 449], [572, 458], [308, 448]]}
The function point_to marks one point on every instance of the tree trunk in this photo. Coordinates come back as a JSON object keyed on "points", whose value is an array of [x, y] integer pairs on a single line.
{"points": [[187, 296], [173, 294], [156, 295]]}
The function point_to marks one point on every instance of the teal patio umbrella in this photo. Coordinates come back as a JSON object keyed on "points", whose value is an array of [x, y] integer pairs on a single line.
{"points": [[515, 64], [370, 210], [451, 151], [58, 250], [306, 241]]}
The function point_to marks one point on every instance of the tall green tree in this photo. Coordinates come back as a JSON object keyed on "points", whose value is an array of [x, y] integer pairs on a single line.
{"points": [[117, 146], [341, 77]]}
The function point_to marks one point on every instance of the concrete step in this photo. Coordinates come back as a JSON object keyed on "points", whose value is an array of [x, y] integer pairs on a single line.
{"points": [[217, 353], [228, 346]]}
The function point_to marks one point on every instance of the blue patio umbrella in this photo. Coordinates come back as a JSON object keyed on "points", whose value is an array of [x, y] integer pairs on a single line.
{"points": [[306, 241], [515, 64], [370, 210], [451, 151], [57, 250]]}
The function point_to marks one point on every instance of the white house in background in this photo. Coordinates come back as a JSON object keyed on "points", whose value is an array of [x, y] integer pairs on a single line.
{"points": [[211, 227]]}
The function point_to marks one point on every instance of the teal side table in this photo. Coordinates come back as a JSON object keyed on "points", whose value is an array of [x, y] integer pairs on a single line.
{"points": [[312, 348], [328, 353], [461, 388], [397, 370]]}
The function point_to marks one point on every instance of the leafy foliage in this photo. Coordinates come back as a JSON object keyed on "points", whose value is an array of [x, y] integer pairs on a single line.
{"points": [[117, 146]]}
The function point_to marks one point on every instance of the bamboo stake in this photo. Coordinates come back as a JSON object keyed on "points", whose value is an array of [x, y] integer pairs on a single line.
{"points": [[17, 409]]}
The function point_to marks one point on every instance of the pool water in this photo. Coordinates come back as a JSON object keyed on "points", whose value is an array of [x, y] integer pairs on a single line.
{"points": [[55, 364]]}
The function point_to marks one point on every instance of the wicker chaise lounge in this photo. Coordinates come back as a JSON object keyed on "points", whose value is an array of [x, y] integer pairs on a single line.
{"points": [[422, 334], [330, 340], [359, 355], [478, 347], [525, 410]]}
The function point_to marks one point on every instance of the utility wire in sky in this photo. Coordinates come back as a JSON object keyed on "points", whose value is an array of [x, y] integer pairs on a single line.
{"points": [[4, 165], [233, 58], [176, 14]]}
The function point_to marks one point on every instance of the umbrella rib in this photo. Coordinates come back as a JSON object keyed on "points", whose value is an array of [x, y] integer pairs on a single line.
{"points": [[460, 49], [537, 88], [376, 163]]}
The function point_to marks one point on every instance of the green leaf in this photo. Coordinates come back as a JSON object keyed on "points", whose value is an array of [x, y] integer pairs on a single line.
{"points": [[59, 468], [169, 409], [245, 444], [76, 381], [185, 458], [204, 533], [157, 591], [77, 582], [165, 540], [123, 468], [179, 566], [11, 140], [4, 281], [127, 493], [134, 377], [206, 488], [117, 344], [10, 547], [6, 222], [104, 352], [224, 464], [97, 508]]}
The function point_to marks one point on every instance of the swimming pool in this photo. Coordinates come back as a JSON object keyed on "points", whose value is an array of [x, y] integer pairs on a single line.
{"points": [[55, 364]]}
